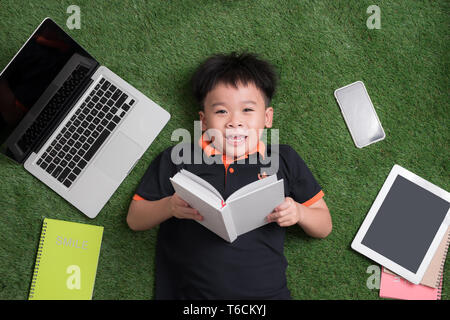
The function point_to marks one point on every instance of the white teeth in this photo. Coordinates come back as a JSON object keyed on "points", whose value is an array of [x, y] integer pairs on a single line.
{"points": [[236, 139]]}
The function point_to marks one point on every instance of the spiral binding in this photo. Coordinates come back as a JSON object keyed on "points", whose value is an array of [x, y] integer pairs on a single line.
{"points": [[38, 260], [441, 269]]}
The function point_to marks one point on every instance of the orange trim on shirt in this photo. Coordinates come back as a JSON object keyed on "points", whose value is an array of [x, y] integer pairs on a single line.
{"points": [[225, 163], [314, 199], [137, 197]]}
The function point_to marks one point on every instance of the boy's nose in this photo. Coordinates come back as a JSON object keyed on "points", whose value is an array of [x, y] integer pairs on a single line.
{"points": [[234, 122]]}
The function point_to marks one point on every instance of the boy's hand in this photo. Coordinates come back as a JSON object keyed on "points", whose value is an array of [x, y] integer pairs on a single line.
{"points": [[181, 209], [286, 214]]}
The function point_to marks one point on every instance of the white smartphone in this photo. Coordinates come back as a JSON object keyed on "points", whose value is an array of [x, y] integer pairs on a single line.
{"points": [[359, 114]]}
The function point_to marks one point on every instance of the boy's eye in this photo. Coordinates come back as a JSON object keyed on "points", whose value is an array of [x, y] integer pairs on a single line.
{"points": [[248, 109], [220, 111]]}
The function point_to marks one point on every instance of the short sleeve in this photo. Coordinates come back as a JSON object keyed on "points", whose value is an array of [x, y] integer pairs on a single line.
{"points": [[303, 187], [155, 183]]}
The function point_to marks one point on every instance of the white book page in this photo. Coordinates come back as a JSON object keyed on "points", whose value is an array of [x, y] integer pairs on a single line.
{"points": [[201, 182], [250, 210], [205, 202], [196, 190], [252, 187]]}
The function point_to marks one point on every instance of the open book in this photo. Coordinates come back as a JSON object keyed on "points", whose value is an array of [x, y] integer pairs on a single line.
{"points": [[244, 210]]}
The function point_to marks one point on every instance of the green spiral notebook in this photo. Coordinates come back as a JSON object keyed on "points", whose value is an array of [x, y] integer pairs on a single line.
{"points": [[66, 262]]}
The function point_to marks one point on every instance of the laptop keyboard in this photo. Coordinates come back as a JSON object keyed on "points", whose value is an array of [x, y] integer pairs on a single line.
{"points": [[53, 108], [68, 154]]}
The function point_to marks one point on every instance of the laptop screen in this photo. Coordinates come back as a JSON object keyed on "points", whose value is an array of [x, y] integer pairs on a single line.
{"points": [[29, 74]]}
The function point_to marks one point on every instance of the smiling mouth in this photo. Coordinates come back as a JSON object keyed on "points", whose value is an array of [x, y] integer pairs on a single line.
{"points": [[236, 140]]}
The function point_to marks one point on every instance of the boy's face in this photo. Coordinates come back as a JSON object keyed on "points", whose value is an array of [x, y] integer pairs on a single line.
{"points": [[238, 115]]}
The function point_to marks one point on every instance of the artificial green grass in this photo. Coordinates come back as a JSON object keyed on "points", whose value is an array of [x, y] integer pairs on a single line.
{"points": [[317, 47]]}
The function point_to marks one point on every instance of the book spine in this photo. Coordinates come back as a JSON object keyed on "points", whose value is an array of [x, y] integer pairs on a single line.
{"points": [[229, 223], [38, 260]]}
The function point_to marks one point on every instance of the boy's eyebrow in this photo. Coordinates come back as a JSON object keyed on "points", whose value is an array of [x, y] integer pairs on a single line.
{"points": [[223, 103], [217, 104]]}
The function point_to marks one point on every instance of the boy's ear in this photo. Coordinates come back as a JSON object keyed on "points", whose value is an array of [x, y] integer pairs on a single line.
{"points": [[268, 117], [203, 120]]}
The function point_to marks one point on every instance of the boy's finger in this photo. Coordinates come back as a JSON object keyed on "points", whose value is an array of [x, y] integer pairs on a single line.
{"points": [[197, 217], [190, 213], [188, 210], [285, 221], [276, 215], [284, 205], [180, 201]]}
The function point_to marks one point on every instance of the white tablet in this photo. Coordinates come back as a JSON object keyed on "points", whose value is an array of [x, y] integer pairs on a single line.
{"points": [[405, 224]]}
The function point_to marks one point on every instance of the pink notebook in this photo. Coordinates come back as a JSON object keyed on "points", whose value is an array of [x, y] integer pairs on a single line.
{"points": [[396, 287]]}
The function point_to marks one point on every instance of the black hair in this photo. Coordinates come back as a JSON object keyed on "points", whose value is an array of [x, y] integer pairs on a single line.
{"points": [[232, 69]]}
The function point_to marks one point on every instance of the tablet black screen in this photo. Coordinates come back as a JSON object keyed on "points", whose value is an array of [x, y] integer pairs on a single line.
{"points": [[406, 224]]}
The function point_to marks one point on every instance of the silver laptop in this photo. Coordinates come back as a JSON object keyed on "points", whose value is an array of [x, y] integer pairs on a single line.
{"points": [[73, 124]]}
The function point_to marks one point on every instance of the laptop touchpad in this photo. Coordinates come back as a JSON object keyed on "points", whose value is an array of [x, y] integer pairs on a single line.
{"points": [[118, 157]]}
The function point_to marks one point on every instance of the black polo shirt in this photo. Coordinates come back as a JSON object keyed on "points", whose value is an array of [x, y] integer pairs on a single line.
{"points": [[194, 263]]}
